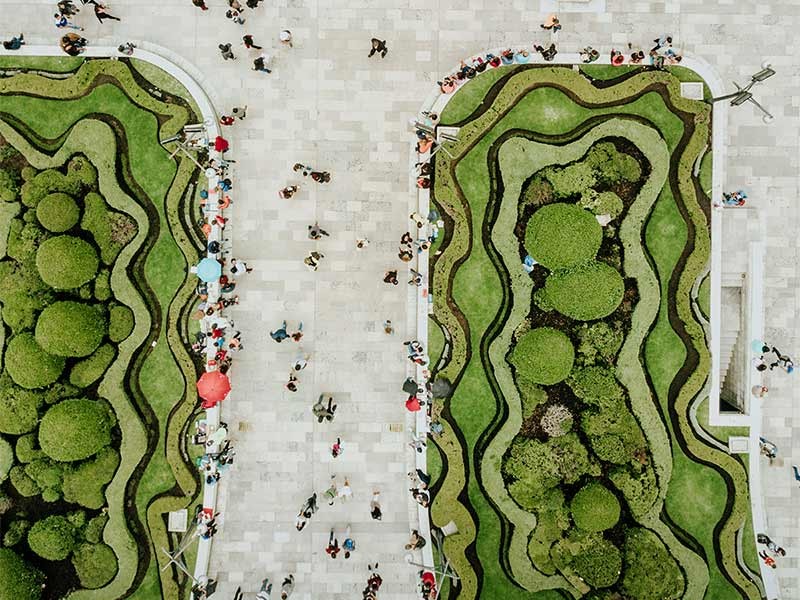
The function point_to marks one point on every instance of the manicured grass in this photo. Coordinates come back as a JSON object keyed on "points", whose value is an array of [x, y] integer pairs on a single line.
{"points": [[704, 296], [435, 342], [721, 433], [471, 94], [53, 64], [704, 176], [606, 72]]}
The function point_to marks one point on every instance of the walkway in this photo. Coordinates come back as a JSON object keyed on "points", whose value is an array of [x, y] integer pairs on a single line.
{"points": [[328, 105]]}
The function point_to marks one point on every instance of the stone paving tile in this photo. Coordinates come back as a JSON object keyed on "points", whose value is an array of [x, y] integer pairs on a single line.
{"points": [[327, 104]]}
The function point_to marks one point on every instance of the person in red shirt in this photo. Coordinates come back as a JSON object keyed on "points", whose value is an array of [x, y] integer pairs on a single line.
{"points": [[221, 144], [226, 120]]}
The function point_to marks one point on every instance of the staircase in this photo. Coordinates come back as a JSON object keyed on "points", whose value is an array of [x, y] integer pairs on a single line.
{"points": [[733, 347]]}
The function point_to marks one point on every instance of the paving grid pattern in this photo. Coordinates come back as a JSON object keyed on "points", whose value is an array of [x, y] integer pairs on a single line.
{"points": [[328, 105]]}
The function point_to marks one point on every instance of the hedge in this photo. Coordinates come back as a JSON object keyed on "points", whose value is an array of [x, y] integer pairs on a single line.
{"points": [[594, 559], [595, 385], [68, 328], [9, 185], [594, 508], [24, 485], [587, 292], [95, 564], [27, 448], [20, 581], [47, 475], [80, 174], [562, 235], [16, 532], [94, 528], [599, 342], [611, 165], [19, 408], [120, 323], [6, 458], [22, 293], [651, 572], [545, 355], [58, 212], [29, 365], [66, 262], [111, 230], [75, 429], [84, 483], [638, 485], [89, 370], [52, 538], [102, 285]]}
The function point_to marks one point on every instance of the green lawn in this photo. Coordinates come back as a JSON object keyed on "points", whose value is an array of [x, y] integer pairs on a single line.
{"points": [[435, 342], [53, 64], [704, 296], [470, 95]]}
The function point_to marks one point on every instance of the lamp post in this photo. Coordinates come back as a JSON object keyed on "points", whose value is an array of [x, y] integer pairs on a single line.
{"points": [[743, 94]]}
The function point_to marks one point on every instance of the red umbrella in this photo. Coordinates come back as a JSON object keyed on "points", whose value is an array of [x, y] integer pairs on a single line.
{"points": [[213, 386]]}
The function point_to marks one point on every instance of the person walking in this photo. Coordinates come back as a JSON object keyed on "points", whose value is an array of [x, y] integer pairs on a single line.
{"points": [[551, 24], [227, 53], [362, 243], [336, 449], [266, 590], [249, 43], [349, 544], [661, 41], [331, 492], [345, 492], [315, 232], [333, 545], [67, 8], [100, 13], [289, 191], [200, 4], [279, 334], [261, 62], [226, 120], [310, 506], [240, 112], [390, 277], [300, 521], [312, 260], [287, 587], [62, 22], [388, 328], [378, 46], [293, 382], [322, 412], [300, 361], [768, 560], [416, 542], [15, 43], [239, 267], [235, 16], [285, 37], [298, 335], [375, 506]]}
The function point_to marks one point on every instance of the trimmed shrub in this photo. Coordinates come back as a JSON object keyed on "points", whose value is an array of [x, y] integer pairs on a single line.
{"points": [[9, 185], [16, 532], [651, 572], [75, 429], [48, 475], [6, 459], [563, 235], [29, 365], [588, 292], [22, 293], [111, 230], [95, 564], [89, 370], [20, 581], [599, 341], [6, 503], [52, 538], [66, 262], [24, 485], [58, 212], [84, 483], [94, 528], [571, 180], [77, 518], [19, 408], [552, 519], [24, 240], [603, 203], [545, 355], [80, 174], [27, 448], [595, 385], [102, 285], [70, 328], [594, 559], [594, 508], [638, 485], [120, 323], [613, 432]]}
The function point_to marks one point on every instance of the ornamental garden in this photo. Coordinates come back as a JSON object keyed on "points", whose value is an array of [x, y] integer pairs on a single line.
{"points": [[97, 227], [570, 321]]}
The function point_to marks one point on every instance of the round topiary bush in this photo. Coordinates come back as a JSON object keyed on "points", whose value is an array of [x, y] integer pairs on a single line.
{"points": [[29, 365], [595, 508], [52, 538], [70, 328], [58, 212], [545, 355], [588, 292], [20, 580], [599, 564], [6, 459], [120, 323], [66, 262], [95, 564], [19, 408], [563, 235], [75, 429]]}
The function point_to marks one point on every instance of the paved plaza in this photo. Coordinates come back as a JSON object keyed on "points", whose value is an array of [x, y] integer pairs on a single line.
{"points": [[327, 105]]}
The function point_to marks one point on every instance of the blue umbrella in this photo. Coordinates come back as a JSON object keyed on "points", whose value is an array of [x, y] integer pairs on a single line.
{"points": [[209, 269]]}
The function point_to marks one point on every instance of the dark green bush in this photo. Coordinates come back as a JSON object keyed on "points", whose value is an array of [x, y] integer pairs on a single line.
{"points": [[120, 323], [595, 385], [537, 193], [545, 355], [95, 564], [587, 292], [20, 581], [75, 429], [84, 483], [66, 262], [24, 240], [6, 458], [552, 519], [651, 572], [591, 557], [594, 508], [6, 503], [80, 174], [22, 294], [29, 365], [48, 476], [571, 180], [602, 203], [89, 370], [562, 235], [19, 408], [9, 185], [78, 520], [638, 485], [111, 230], [599, 342], [27, 448], [24, 485], [16, 532], [612, 166], [70, 328], [94, 529], [613, 433], [102, 285], [52, 538], [58, 212]]}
